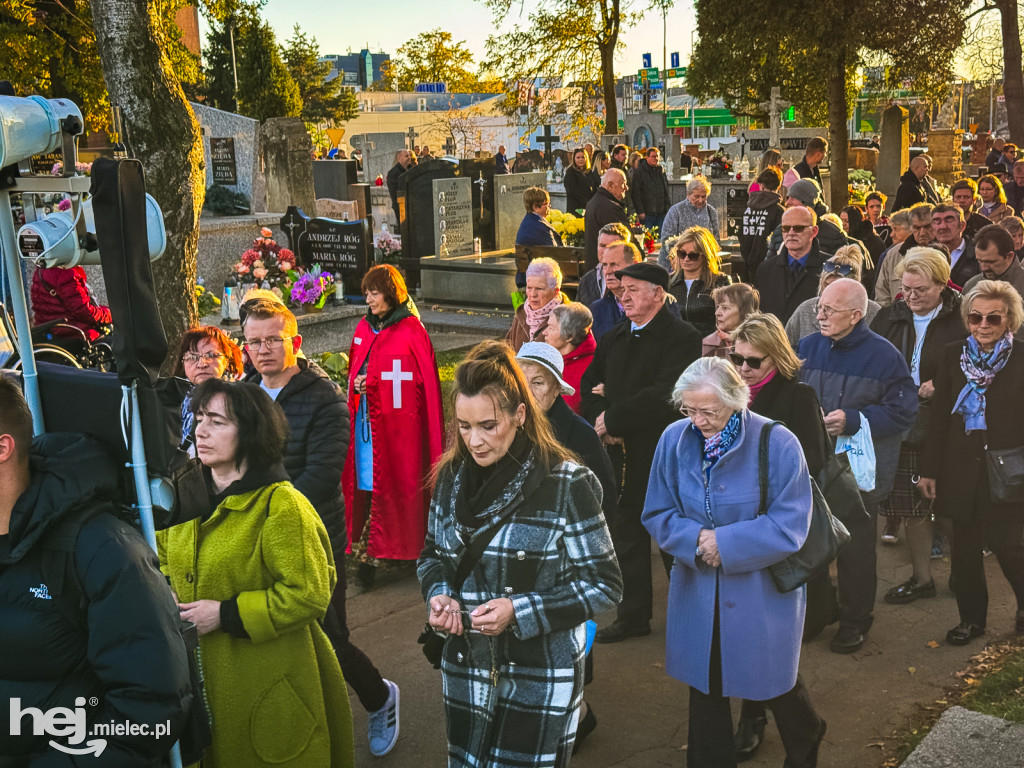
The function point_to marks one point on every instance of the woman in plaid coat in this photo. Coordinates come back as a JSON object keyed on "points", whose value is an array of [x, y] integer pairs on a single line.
{"points": [[507, 492]]}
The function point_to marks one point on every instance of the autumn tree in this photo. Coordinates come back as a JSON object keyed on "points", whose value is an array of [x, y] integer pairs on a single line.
{"points": [[322, 100], [560, 41], [1008, 34], [812, 50]]}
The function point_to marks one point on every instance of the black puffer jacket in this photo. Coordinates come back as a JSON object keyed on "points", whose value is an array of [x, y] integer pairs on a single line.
{"points": [[579, 188], [318, 434], [126, 650], [650, 189]]}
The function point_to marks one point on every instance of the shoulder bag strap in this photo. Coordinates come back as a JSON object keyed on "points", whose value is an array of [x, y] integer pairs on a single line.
{"points": [[762, 465], [474, 551]]}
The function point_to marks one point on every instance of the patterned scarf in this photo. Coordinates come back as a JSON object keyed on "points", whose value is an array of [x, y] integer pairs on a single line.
{"points": [[718, 444], [980, 369], [535, 318]]}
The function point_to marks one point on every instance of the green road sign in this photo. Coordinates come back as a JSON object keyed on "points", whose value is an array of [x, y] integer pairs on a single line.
{"points": [[651, 73], [675, 72]]}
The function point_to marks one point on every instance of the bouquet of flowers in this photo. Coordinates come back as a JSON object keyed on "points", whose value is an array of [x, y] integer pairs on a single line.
{"points": [[720, 166], [312, 288], [265, 260], [206, 302], [389, 246], [647, 236], [84, 169], [569, 228], [860, 183]]}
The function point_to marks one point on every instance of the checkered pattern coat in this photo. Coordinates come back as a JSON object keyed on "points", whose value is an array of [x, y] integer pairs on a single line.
{"points": [[550, 553]]}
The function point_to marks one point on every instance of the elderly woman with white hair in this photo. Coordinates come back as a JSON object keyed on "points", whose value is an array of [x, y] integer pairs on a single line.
{"points": [[568, 331], [730, 631], [693, 211], [543, 294]]}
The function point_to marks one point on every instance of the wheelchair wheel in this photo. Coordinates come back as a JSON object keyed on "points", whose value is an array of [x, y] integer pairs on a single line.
{"points": [[47, 353]]}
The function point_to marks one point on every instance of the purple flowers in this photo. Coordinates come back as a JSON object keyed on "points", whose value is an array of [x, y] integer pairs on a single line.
{"points": [[312, 287]]}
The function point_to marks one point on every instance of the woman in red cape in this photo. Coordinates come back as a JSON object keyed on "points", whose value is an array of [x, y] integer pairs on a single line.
{"points": [[394, 398]]}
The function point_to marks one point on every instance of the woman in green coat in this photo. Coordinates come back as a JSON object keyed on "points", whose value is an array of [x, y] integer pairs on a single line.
{"points": [[256, 576]]}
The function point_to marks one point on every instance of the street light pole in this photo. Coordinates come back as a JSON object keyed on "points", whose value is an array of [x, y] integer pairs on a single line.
{"points": [[664, 59]]}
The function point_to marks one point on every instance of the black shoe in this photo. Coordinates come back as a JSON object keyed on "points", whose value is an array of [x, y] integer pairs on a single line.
{"points": [[749, 735], [847, 640], [587, 725], [620, 629], [909, 591], [366, 574], [963, 633]]}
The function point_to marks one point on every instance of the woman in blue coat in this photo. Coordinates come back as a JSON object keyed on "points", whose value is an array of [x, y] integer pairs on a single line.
{"points": [[730, 631]]}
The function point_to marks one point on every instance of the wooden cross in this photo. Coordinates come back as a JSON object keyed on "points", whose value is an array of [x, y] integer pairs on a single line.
{"points": [[547, 140], [412, 136], [774, 107], [449, 146]]}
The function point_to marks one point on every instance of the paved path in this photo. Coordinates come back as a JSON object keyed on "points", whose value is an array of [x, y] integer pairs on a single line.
{"points": [[642, 712]]}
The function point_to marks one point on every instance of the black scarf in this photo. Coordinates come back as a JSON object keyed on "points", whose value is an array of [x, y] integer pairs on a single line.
{"points": [[254, 479], [481, 486], [406, 309]]}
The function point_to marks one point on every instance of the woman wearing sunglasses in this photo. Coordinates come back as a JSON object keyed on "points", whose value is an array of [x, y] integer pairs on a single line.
{"points": [[846, 263], [696, 272], [920, 324], [768, 366], [976, 416]]}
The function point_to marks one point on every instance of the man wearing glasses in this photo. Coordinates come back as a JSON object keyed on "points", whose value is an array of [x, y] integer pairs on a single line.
{"points": [[858, 377], [314, 457], [887, 282], [790, 277], [948, 223]]}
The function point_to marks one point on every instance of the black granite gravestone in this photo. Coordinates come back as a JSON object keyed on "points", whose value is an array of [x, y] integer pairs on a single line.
{"points": [[222, 158], [416, 212], [294, 224], [530, 160], [332, 178], [735, 205], [481, 173], [343, 247]]}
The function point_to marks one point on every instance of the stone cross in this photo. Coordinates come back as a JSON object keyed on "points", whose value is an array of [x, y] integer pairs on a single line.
{"points": [[449, 146], [547, 140], [774, 108], [396, 376], [412, 136], [481, 182]]}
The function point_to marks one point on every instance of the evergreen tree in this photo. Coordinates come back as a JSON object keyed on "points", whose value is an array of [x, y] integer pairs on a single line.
{"points": [[322, 100]]}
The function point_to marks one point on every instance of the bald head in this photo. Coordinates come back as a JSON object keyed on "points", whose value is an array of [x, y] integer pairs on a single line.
{"points": [[841, 306], [919, 166], [614, 181]]}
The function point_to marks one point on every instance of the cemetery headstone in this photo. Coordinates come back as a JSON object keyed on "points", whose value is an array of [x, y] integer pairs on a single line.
{"points": [[416, 209], [508, 207], [453, 217], [231, 145], [735, 205], [360, 195], [481, 172], [222, 158], [293, 224], [289, 168], [342, 210], [331, 178], [528, 161], [339, 247], [548, 139], [944, 146], [894, 155], [979, 149], [379, 150]]}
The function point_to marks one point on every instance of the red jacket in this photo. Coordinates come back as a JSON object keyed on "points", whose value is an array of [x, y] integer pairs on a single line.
{"points": [[408, 436], [576, 363], [61, 294]]}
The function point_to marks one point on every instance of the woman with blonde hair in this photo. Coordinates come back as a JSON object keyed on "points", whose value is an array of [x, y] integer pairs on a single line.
{"points": [[696, 272], [518, 557], [993, 199], [770, 158], [847, 262]]}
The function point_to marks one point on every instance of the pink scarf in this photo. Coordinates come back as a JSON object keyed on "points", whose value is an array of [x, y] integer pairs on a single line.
{"points": [[535, 318], [755, 388]]}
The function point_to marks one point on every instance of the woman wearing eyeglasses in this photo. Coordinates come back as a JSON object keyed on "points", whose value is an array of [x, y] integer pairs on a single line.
{"points": [[920, 325], [730, 632], [769, 367], [204, 353], [846, 263], [696, 273], [976, 416], [733, 304]]}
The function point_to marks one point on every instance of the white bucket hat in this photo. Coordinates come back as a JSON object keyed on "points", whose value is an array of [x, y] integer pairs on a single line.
{"points": [[547, 356]]}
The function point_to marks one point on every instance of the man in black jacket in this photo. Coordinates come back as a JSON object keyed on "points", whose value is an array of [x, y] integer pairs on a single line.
{"points": [[318, 437], [650, 190], [403, 160], [605, 207], [948, 225], [626, 393], [99, 636], [807, 168], [790, 277], [831, 238], [762, 215], [912, 189]]}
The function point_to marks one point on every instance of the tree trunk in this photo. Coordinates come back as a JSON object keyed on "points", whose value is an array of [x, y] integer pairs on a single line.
{"points": [[1013, 69], [165, 136], [838, 134], [607, 47]]}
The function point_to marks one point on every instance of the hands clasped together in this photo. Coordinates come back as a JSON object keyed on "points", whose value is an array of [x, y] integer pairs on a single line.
{"points": [[491, 618], [707, 548]]}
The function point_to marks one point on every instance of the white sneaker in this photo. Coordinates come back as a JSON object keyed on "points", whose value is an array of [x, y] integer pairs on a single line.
{"points": [[383, 724]]}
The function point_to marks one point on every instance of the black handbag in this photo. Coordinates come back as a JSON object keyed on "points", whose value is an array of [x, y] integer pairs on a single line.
{"points": [[1006, 475], [839, 488], [825, 538]]}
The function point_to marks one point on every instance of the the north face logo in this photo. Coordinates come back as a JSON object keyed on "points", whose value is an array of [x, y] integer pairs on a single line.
{"points": [[40, 592]]}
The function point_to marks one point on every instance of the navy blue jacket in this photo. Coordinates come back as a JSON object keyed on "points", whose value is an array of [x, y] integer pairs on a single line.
{"points": [[863, 373], [607, 314], [536, 231]]}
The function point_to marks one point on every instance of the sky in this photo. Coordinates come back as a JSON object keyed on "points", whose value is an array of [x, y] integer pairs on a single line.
{"points": [[355, 24]]}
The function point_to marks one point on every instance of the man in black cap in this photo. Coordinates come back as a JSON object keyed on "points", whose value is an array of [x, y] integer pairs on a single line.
{"points": [[626, 393]]}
